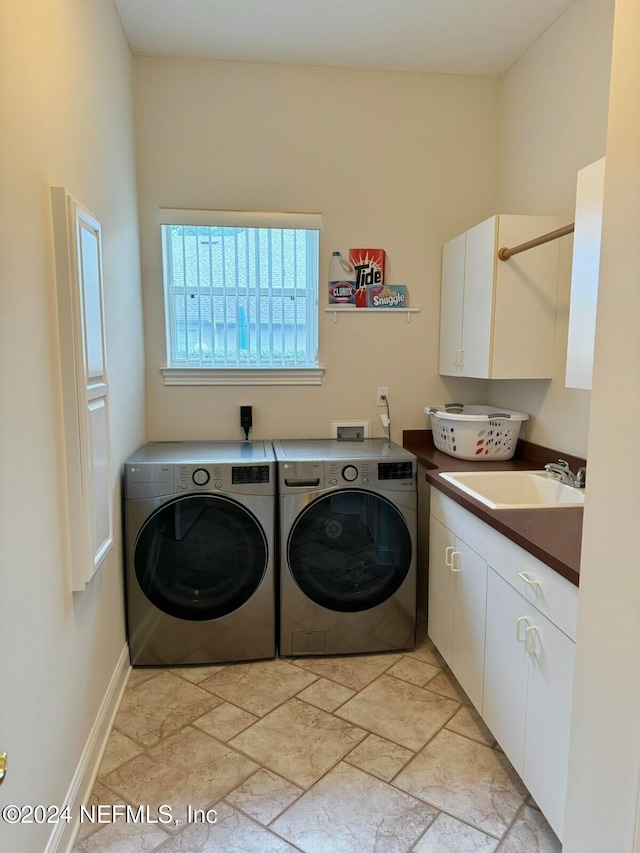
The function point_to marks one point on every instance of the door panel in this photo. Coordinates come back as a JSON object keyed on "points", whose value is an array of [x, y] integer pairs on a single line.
{"points": [[451, 305], [349, 551], [200, 557], [441, 589], [477, 322], [546, 752], [469, 620], [506, 664]]}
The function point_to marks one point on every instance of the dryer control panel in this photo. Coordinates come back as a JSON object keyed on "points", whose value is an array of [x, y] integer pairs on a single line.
{"points": [[311, 476]]}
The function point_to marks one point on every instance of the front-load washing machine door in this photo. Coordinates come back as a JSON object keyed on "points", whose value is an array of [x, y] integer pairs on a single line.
{"points": [[349, 550], [200, 557]]}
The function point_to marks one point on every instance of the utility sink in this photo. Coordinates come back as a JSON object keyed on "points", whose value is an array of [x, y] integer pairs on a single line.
{"points": [[516, 489]]}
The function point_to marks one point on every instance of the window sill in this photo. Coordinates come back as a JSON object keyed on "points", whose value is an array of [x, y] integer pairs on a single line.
{"points": [[242, 375]]}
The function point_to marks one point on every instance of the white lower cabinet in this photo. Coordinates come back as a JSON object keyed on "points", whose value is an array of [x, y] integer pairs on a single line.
{"points": [[505, 703], [528, 681], [505, 624], [457, 593]]}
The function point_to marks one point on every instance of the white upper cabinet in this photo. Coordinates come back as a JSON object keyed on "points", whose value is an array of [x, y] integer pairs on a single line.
{"points": [[585, 274], [451, 305], [497, 318]]}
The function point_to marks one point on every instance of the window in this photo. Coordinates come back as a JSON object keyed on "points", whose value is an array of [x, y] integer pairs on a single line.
{"points": [[241, 293]]}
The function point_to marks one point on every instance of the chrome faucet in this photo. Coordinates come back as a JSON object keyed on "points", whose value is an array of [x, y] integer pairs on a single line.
{"points": [[561, 469]]}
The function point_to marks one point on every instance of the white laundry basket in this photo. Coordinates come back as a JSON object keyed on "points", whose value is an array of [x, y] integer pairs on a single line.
{"points": [[481, 433]]}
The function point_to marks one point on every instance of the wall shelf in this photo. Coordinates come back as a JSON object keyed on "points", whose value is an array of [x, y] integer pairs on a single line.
{"points": [[351, 309]]}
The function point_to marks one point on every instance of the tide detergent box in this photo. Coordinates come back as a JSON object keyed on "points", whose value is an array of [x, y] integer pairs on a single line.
{"points": [[387, 296], [369, 266]]}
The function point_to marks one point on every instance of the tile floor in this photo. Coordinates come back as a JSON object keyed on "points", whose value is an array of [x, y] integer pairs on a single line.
{"points": [[365, 754]]}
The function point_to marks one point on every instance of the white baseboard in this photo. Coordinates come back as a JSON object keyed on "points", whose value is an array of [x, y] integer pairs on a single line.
{"points": [[63, 836]]}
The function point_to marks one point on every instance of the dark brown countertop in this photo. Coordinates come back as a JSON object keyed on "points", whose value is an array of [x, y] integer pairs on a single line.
{"points": [[552, 535]]}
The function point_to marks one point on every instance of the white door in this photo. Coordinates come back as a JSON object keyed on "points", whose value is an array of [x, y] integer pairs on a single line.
{"points": [[451, 306], [585, 275], [477, 315], [550, 685], [85, 387], [469, 606], [441, 588], [506, 666]]}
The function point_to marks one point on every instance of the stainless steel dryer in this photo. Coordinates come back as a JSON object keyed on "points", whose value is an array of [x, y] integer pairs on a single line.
{"points": [[348, 515], [200, 527]]}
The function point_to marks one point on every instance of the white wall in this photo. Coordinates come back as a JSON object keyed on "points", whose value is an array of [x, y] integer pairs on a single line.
{"points": [[399, 161], [553, 117], [66, 113], [604, 765]]}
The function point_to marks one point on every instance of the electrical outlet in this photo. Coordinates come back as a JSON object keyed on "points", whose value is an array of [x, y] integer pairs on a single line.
{"points": [[382, 392]]}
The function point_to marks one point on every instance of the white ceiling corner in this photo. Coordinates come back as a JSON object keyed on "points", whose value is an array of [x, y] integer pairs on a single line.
{"points": [[443, 36]]}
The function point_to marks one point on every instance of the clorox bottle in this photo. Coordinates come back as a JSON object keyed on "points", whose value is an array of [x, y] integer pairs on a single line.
{"points": [[342, 281]]}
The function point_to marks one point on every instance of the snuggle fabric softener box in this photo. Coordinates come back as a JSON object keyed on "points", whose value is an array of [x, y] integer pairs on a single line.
{"points": [[387, 296]]}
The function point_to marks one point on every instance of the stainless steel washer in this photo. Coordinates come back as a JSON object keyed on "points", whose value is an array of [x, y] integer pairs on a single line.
{"points": [[200, 527], [348, 516]]}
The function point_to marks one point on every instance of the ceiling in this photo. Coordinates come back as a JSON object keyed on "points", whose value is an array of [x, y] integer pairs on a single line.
{"points": [[447, 36]]}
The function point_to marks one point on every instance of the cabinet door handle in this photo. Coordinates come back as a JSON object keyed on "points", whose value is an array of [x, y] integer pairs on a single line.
{"points": [[520, 638], [450, 554], [455, 564], [525, 577], [461, 358], [530, 639]]}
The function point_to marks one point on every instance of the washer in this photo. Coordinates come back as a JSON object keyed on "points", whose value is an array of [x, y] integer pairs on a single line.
{"points": [[348, 516], [200, 527]]}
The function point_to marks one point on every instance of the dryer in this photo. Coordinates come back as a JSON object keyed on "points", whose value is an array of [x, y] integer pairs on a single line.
{"points": [[199, 530], [348, 517]]}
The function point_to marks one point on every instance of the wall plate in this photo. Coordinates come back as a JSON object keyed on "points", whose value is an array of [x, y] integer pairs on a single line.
{"points": [[350, 430]]}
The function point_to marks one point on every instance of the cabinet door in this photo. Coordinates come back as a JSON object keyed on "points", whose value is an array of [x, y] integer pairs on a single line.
{"points": [[441, 588], [477, 314], [506, 666], [585, 275], [451, 303], [469, 612], [550, 685]]}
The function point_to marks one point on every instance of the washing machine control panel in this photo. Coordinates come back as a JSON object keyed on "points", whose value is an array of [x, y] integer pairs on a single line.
{"points": [[340, 472], [395, 470], [195, 477], [237, 479], [184, 468], [201, 476], [249, 474]]}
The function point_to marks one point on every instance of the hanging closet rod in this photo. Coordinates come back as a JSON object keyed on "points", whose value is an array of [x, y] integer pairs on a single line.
{"points": [[504, 254]]}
